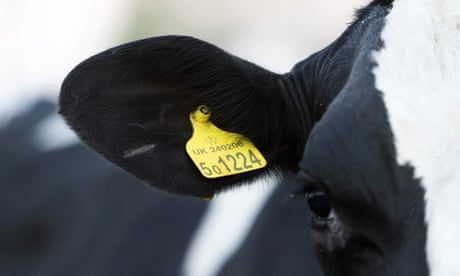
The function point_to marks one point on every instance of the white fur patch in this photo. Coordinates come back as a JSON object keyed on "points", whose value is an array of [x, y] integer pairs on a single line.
{"points": [[419, 74], [228, 221]]}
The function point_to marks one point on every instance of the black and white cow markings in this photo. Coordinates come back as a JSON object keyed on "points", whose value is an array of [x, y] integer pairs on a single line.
{"points": [[369, 125]]}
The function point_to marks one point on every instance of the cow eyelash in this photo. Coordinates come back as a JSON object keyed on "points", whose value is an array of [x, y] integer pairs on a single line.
{"points": [[304, 184]]}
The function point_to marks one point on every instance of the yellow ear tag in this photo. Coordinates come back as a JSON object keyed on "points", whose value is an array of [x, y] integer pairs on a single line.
{"points": [[216, 152]]}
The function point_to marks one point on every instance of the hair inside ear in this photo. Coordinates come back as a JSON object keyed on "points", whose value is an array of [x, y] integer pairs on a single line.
{"points": [[132, 104]]}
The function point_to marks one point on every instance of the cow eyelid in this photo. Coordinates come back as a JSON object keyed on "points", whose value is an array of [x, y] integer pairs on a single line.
{"points": [[309, 182], [303, 184]]}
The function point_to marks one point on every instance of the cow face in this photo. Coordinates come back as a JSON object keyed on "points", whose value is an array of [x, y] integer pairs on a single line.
{"points": [[364, 169], [368, 209], [376, 171]]}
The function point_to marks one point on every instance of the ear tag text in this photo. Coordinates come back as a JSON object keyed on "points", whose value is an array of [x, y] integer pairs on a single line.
{"points": [[218, 153]]}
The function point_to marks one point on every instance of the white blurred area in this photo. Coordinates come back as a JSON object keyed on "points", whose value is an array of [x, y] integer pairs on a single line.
{"points": [[41, 41]]}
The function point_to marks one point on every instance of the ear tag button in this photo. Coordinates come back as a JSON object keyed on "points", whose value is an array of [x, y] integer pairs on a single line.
{"points": [[218, 153]]}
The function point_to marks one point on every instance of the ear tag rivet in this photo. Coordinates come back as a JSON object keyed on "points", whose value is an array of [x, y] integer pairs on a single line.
{"points": [[218, 153]]}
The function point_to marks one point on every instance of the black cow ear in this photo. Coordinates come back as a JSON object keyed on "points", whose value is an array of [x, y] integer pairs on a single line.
{"points": [[132, 104]]}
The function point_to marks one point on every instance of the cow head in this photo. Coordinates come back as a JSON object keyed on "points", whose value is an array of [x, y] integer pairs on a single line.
{"points": [[344, 120]]}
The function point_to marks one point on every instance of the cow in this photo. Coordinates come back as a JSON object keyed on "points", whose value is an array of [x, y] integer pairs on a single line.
{"points": [[46, 227], [368, 126]]}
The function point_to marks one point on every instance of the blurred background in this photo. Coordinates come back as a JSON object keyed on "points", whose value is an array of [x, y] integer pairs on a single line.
{"points": [[65, 210]]}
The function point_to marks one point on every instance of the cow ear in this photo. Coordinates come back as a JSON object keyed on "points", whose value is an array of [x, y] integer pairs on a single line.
{"points": [[132, 104]]}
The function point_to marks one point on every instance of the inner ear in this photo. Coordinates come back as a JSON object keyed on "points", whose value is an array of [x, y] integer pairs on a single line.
{"points": [[132, 104]]}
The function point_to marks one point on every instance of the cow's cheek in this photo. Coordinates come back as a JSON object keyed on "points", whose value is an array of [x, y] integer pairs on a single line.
{"points": [[328, 238]]}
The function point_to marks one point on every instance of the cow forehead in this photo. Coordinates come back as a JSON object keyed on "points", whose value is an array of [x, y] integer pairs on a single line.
{"points": [[418, 73], [356, 118]]}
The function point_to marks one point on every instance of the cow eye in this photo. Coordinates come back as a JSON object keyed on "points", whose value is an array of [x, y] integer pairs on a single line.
{"points": [[319, 204]]}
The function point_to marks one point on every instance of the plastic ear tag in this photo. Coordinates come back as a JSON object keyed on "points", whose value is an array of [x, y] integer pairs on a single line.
{"points": [[216, 152]]}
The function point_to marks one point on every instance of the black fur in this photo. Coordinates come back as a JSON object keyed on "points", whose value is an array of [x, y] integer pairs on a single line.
{"points": [[142, 93], [378, 227]]}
